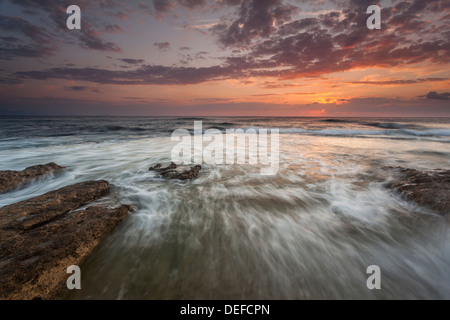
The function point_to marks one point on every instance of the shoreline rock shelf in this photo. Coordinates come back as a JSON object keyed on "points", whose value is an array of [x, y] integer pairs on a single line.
{"points": [[42, 236], [430, 189], [10, 180], [174, 172]]}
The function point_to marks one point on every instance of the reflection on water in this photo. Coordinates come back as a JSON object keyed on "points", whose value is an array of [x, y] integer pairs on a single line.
{"points": [[309, 232]]}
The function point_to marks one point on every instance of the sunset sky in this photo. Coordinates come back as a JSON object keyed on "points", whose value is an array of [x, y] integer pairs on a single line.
{"points": [[225, 58]]}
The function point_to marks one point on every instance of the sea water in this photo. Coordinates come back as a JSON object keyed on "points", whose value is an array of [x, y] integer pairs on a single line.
{"points": [[308, 232]]}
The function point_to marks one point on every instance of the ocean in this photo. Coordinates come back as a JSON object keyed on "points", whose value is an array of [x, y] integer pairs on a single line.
{"points": [[308, 232]]}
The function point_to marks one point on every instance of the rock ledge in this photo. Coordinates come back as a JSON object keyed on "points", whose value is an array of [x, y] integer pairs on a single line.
{"points": [[42, 236], [430, 189], [12, 179]]}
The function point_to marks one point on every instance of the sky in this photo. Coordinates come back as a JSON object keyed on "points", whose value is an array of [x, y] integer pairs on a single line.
{"points": [[225, 58]]}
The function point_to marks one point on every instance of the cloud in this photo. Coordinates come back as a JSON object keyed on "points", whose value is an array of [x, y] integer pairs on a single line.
{"points": [[433, 95], [28, 41], [162, 6], [400, 82], [278, 85], [211, 100], [113, 28], [333, 42], [146, 74], [192, 4], [27, 51], [162, 46], [132, 61], [270, 39], [9, 80], [256, 19], [82, 88], [90, 40], [21, 26], [88, 36]]}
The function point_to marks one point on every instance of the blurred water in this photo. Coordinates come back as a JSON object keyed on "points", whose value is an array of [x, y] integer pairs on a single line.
{"points": [[310, 231]]}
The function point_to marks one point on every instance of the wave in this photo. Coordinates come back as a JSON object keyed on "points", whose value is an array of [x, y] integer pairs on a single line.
{"points": [[356, 132], [348, 132], [386, 125], [192, 119], [120, 128], [226, 124], [336, 121]]}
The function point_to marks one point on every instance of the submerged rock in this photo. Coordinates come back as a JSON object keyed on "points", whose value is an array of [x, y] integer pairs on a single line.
{"points": [[12, 179], [42, 236], [427, 188], [175, 172]]}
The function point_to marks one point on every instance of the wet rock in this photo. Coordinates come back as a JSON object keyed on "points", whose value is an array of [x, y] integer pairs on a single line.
{"points": [[42, 236], [155, 168], [177, 172], [12, 179], [30, 213], [430, 189]]}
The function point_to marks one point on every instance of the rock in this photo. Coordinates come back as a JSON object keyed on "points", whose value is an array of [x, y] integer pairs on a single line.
{"points": [[177, 173], [155, 168], [427, 188], [42, 236], [12, 179], [30, 213]]}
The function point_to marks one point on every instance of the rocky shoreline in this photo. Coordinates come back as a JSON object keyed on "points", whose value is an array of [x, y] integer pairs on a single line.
{"points": [[42, 236], [10, 180], [430, 189]]}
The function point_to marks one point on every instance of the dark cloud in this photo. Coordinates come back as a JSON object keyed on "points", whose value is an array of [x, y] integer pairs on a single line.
{"points": [[82, 88], [192, 3], [162, 46], [228, 2], [9, 39], [56, 9], [132, 98], [28, 41], [162, 6], [77, 88], [332, 42], [8, 52], [269, 40], [433, 95], [256, 19], [21, 26], [132, 61], [10, 80], [146, 74], [90, 40]]}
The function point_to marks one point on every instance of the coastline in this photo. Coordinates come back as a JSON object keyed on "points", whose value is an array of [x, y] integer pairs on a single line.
{"points": [[43, 235]]}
